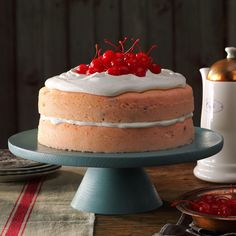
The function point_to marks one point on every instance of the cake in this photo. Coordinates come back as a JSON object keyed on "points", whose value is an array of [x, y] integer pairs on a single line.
{"points": [[121, 102]]}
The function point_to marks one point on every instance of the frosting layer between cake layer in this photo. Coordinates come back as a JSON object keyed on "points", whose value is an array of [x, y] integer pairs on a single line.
{"points": [[109, 85], [56, 121]]}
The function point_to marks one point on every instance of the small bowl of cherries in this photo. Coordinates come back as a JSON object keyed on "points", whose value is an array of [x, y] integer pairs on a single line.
{"points": [[212, 208]]}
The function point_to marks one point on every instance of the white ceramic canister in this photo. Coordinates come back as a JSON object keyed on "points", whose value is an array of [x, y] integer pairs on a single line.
{"points": [[219, 114]]}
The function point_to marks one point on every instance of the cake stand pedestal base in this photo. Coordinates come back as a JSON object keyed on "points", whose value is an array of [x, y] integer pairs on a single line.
{"points": [[116, 191]]}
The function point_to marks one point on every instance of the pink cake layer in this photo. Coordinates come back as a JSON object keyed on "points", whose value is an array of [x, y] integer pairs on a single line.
{"points": [[106, 139], [152, 105]]}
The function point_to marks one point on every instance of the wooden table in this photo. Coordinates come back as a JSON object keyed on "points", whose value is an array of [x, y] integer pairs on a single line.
{"points": [[171, 181]]}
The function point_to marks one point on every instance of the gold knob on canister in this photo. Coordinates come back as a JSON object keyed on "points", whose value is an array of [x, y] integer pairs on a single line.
{"points": [[224, 70]]}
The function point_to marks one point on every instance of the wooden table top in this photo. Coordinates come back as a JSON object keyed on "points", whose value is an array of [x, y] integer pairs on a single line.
{"points": [[170, 181]]}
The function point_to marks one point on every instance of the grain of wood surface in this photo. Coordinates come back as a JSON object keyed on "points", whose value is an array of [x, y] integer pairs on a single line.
{"points": [[39, 39]]}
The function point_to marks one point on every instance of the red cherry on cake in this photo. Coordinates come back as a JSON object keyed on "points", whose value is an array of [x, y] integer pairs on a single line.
{"points": [[118, 70], [90, 71], [124, 70], [117, 61], [129, 56], [119, 55], [97, 65], [155, 68], [107, 57], [140, 71], [141, 55], [109, 54], [115, 70], [81, 69], [132, 63], [143, 59]]}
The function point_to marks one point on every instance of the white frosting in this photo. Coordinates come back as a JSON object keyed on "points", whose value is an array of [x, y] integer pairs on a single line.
{"points": [[109, 85], [118, 125]]}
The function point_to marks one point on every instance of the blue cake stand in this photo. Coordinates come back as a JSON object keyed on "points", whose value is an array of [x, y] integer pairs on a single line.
{"points": [[116, 183]]}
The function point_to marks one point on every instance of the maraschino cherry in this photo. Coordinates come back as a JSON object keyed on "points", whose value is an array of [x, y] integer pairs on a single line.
{"points": [[120, 62], [82, 69]]}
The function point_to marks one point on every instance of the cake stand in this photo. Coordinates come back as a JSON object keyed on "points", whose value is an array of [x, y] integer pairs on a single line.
{"points": [[116, 183]]}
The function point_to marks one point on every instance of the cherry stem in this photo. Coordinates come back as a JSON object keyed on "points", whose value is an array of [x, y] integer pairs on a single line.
{"points": [[139, 47], [124, 40], [96, 46], [112, 44], [122, 44], [99, 52], [151, 48], [132, 47]]}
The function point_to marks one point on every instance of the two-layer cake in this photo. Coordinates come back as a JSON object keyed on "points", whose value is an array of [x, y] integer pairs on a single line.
{"points": [[99, 109]]}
